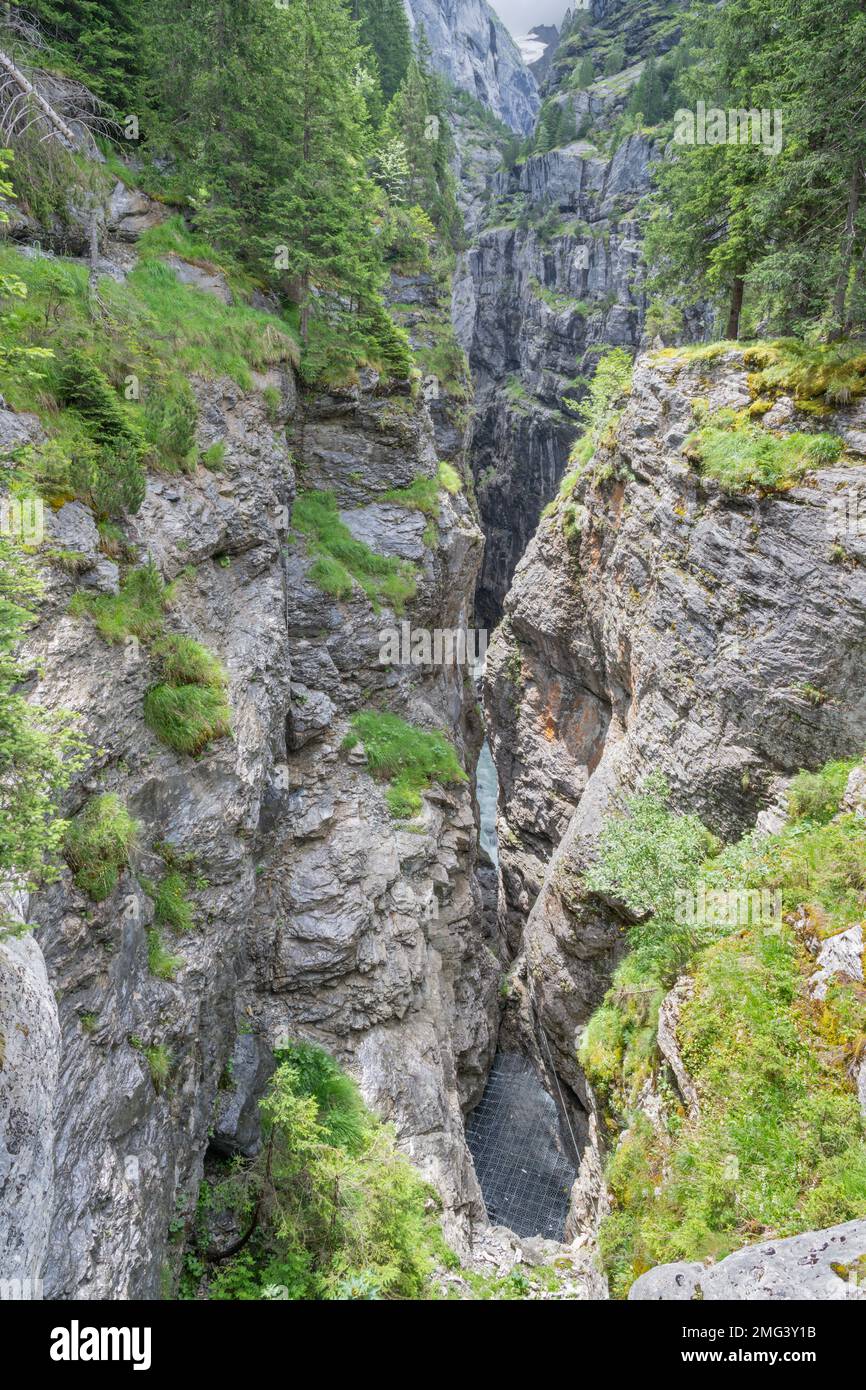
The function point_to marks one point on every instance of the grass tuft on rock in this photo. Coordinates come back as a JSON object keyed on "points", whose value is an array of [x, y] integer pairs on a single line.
{"points": [[161, 963], [138, 610], [97, 845], [409, 759], [171, 904], [183, 661], [187, 717], [339, 560], [740, 454]]}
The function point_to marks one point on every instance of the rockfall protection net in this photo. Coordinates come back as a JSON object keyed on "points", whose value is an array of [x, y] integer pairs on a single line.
{"points": [[522, 1165]]}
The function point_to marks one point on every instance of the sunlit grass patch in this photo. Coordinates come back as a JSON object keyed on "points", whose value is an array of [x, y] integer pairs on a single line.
{"points": [[339, 559], [739, 454], [408, 758]]}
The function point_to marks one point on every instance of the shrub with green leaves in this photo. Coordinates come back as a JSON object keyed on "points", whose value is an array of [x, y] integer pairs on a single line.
{"points": [[601, 408], [170, 419], [816, 795], [409, 759], [84, 389], [111, 479], [97, 845], [647, 857], [158, 1058], [448, 478], [777, 1145], [332, 1209]]}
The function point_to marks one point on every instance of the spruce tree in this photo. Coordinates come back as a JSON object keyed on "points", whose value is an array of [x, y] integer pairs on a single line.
{"points": [[321, 213], [98, 41], [385, 29], [585, 73]]}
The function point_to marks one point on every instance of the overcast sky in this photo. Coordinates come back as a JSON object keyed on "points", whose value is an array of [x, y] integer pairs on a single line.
{"points": [[522, 15]]}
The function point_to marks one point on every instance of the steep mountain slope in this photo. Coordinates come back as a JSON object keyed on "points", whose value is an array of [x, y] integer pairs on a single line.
{"points": [[665, 622], [471, 46], [553, 277], [314, 911]]}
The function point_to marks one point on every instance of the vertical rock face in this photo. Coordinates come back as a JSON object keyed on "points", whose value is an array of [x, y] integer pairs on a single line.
{"points": [[471, 46], [659, 623], [318, 916], [29, 1059], [552, 277]]}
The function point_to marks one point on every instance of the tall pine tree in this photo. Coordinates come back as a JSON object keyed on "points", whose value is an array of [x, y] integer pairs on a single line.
{"points": [[385, 30], [100, 42]]}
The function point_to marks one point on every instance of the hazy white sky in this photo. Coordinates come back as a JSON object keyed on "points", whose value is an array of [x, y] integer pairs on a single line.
{"points": [[521, 15]]}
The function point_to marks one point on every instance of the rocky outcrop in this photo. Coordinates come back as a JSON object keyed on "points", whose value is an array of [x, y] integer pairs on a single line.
{"points": [[822, 1265], [657, 622], [553, 277], [29, 1063], [318, 916], [472, 47]]}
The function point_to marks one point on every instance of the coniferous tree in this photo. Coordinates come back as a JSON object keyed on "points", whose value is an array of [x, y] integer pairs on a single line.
{"points": [[322, 212], [98, 41], [615, 59], [585, 73], [418, 117], [385, 29], [779, 224], [647, 96]]}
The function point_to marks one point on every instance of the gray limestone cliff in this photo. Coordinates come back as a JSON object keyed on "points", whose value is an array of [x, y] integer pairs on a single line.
{"points": [[472, 47], [660, 622], [318, 916]]}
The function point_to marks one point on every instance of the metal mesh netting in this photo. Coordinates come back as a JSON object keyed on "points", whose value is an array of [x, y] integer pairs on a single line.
{"points": [[513, 1135]]}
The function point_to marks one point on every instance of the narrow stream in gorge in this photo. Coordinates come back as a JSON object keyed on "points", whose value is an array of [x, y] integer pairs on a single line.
{"points": [[513, 1133]]}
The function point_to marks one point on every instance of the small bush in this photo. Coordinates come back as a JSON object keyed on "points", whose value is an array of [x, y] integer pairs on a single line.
{"points": [[410, 759], [171, 416], [160, 961], [97, 845], [84, 389], [816, 796], [336, 1211], [600, 409], [187, 717], [341, 1111], [449, 478], [110, 479]]}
